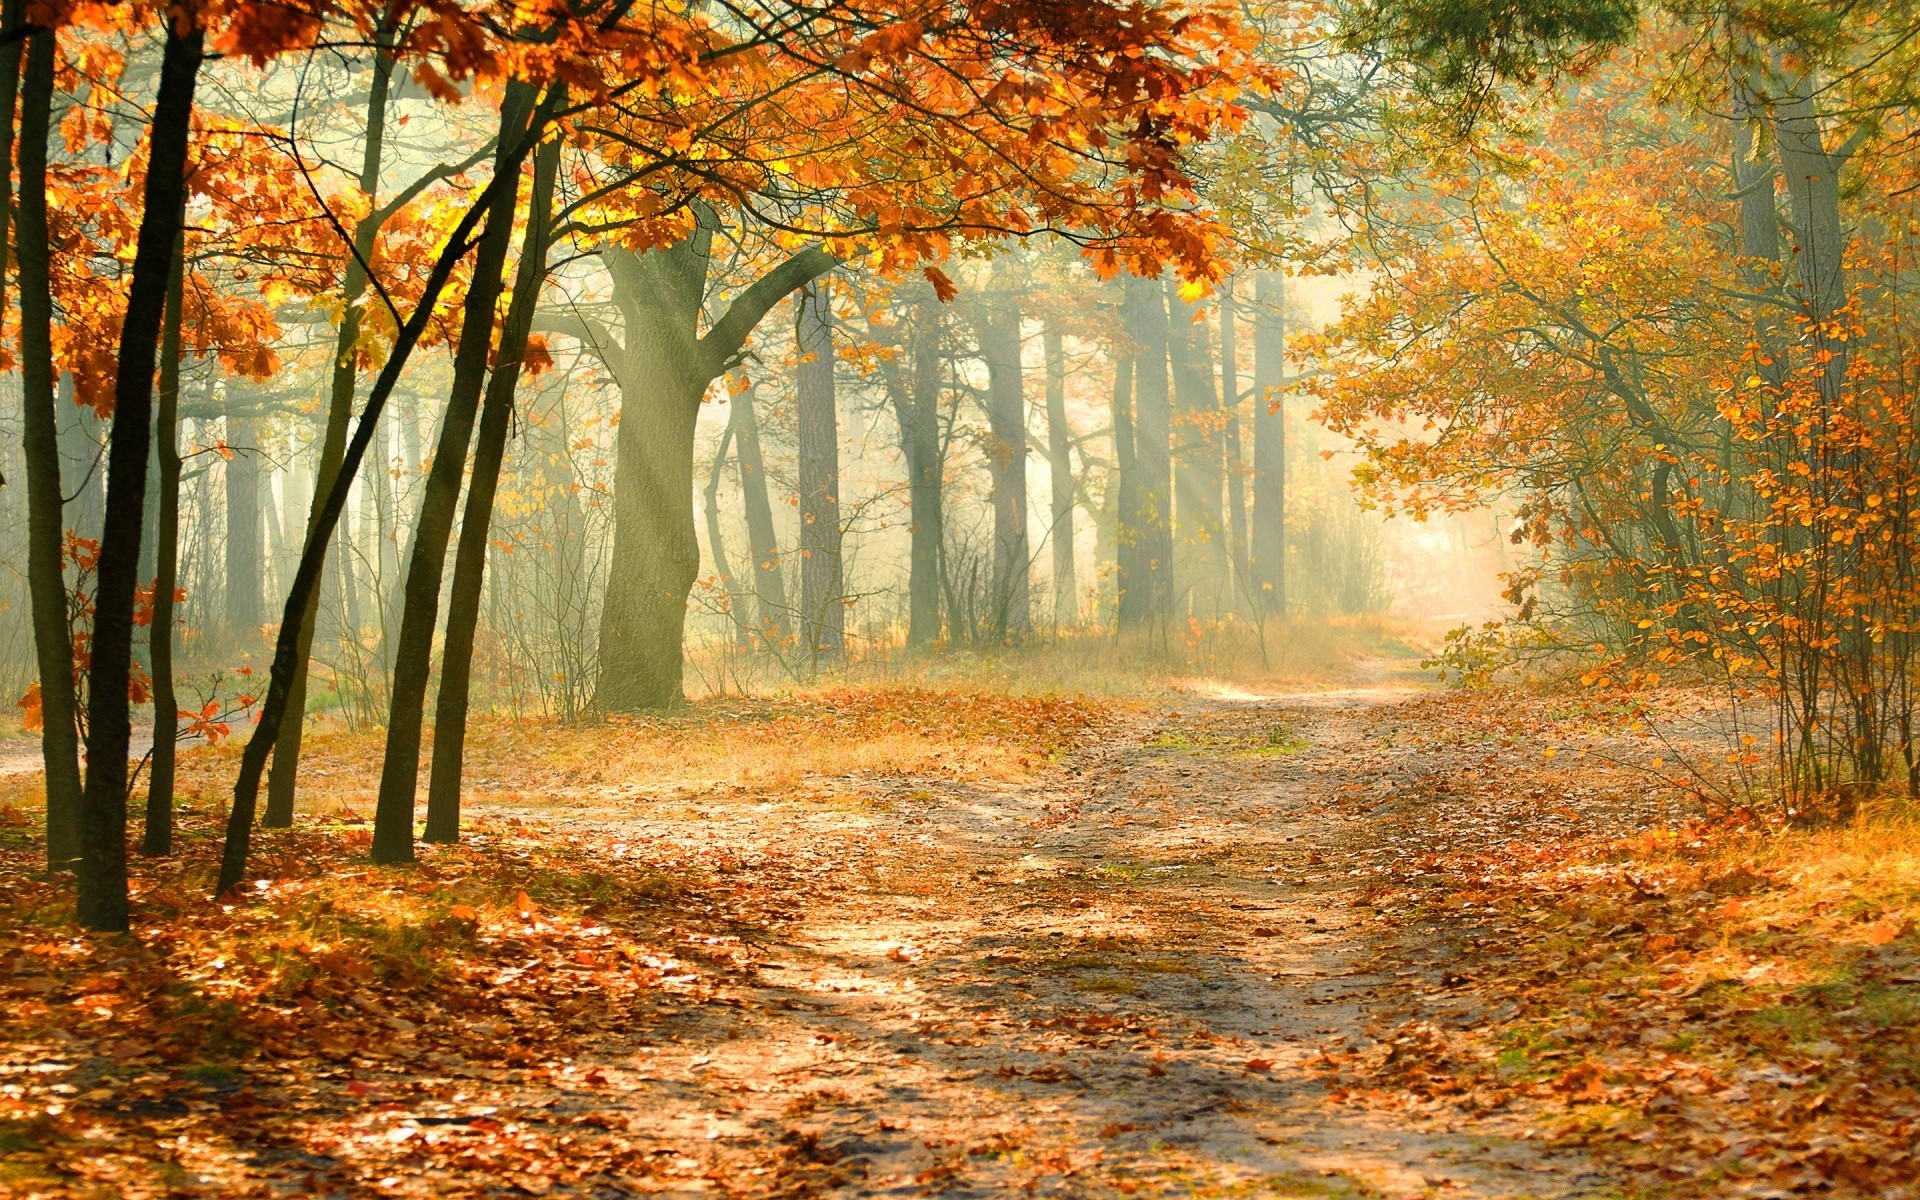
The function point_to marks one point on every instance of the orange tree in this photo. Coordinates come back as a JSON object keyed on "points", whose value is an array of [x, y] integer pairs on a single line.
{"points": [[1680, 345]]}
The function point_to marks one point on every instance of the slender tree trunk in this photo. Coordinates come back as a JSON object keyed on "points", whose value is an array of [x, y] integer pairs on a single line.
{"points": [[1200, 554], [920, 440], [1066, 593], [823, 614], [1150, 602], [158, 835], [1007, 422], [306, 576], [470, 558], [1236, 464], [10, 56], [283, 782], [46, 527], [769, 587], [1267, 541], [103, 820], [413, 658], [243, 549], [717, 542]]}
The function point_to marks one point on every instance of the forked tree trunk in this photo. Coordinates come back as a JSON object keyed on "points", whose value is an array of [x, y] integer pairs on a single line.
{"points": [[1066, 593], [663, 365], [103, 821], [823, 614], [282, 783], [46, 527], [413, 652], [470, 558], [1267, 540], [157, 838]]}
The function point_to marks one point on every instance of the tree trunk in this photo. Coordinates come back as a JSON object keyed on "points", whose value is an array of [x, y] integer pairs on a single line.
{"points": [[1267, 540], [1007, 423], [717, 542], [306, 577], [1115, 551], [470, 558], [1066, 593], [663, 368], [243, 583], [769, 587], [282, 784], [926, 468], [413, 652], [1200, 555], [103, 809], [158, 836], [823, 614], [1813, 195], [1148, 600], [46, 527], [1236, 463]]}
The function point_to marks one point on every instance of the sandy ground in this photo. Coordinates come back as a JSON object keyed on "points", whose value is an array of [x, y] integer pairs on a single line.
{"points": [[1113, 979]]}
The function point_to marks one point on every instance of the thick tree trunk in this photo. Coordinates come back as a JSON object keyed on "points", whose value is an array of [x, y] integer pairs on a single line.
{"points": [[1148, 601], [1812, 176], [243, 549], [663, 368], [1267, 540], [103, 810], [283, 782], [1236, 464], [470, 558], [157, 838], [823, 613], [769, 586], [1200, 554], [46, 527], [1066, 593], [413, 652], [1007, 422]]}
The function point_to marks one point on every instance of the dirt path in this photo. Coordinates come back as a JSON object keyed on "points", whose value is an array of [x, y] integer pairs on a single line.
{"points": [[1114, 980]]}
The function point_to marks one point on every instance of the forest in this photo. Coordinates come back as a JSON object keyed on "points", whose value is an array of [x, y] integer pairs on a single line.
{"points": [[1085, 598]]}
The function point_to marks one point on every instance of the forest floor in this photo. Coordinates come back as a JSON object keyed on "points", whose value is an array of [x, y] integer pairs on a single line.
{"points": [[1364, 942]]}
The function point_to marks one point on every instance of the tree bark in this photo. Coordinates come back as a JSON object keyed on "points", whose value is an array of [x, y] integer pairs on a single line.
{"points": [[769, 586], [413, 652], [999, 326], [157, 838], [470, 557], [282, 783], [1236, 464], [243, 549], [663, 366], [46, 526], [1066, 593], [103, 873], [823, 613], [306, 577], [1200, 555], [926, 467], [1267, 540], [1148, 600]]}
